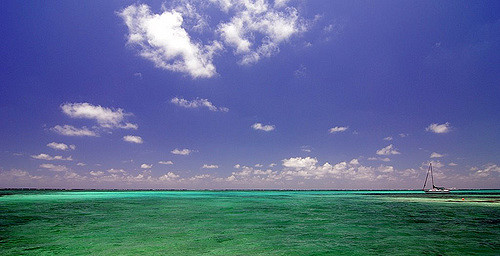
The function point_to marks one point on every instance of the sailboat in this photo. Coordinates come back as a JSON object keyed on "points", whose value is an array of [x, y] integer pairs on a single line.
{"points": [[434, 189]]}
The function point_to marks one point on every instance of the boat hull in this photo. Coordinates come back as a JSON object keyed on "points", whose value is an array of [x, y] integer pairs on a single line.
{"points": [[437, 191]]}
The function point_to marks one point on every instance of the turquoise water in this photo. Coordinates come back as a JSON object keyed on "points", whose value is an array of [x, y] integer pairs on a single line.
{"points": [[249, 223]]}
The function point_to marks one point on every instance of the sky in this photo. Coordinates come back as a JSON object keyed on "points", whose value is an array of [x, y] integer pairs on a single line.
{"points": [[249, 94]]}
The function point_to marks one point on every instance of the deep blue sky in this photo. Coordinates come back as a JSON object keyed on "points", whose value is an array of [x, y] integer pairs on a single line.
{"points": [[378, 68]]}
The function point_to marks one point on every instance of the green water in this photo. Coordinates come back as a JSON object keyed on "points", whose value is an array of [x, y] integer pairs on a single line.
{"points": [[249, 223]]}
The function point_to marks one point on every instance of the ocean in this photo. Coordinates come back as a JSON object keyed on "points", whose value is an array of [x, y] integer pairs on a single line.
{"points": [[48, 222]]}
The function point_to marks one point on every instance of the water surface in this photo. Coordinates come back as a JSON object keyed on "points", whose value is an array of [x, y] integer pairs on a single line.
{"points": [[249, 223]]}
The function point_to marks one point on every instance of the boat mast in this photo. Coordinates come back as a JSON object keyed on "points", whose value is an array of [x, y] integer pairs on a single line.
{"points": [[432, 176], [427, 176]]}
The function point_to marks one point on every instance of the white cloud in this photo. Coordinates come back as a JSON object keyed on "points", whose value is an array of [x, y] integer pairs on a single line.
{"points": [[237, 166], [266, 128], [436, 155], [200, 177], [55, 168], [169, 177], [129, 126], [403, 135], [306, 149], [51, 158], [337, 129], [389, 150], [383, 159], [435, 164], [197, 103], [133, 139], [299, 162], [257, 19], [486, 171], [301, 72], [258, 165], [10, 178], [69, 130], [96, 173], [115, 171], [308, 168], [249, 174], [280, 3], [146, 166], [60, 146], [385, 169], [413, 173], [165, 162], [105, 117], [174, 39], [183, 152], [162, 40], [210, 166], [272, 165], [81, 164], [439, 128], [452, 164], [388, 138], [328, 28]]}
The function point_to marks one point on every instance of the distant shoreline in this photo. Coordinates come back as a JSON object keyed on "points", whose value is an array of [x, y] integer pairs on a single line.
{"points": [[215, 190]]}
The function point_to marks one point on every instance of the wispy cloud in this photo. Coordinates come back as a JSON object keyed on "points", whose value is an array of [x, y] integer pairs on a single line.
{"points": [[96, 173], [436, 155], [486, 170], [197, 103], [183, 152], [258, 19], [115, 171], [389, 150], [388, 138], [51, 158], [306, 148], [301, 72], [338, 129], [69, 130], [210, 166], [60, 146], [133, 139], [439, 128], [105, 117], [266, 128], [55, 168], [146, 166], [383, 159], [166, 162]]}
